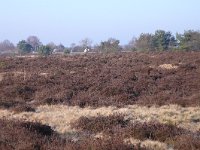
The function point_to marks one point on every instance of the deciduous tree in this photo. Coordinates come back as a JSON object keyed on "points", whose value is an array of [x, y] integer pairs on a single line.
{"points": [[6, 45], [86, 43], [34, 42], [111, 45], [144, 42]]}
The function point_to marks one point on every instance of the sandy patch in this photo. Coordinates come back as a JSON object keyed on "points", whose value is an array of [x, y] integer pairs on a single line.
{"points": [[16, 74], [44, 74], [165, 66], [168, 66]]}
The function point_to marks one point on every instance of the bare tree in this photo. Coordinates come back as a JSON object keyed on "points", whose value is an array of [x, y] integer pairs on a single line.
{"points": [[34, 42], [86, 43], [52, 45], [60, 48], [131, 45], [6, 45], [145, 42]]}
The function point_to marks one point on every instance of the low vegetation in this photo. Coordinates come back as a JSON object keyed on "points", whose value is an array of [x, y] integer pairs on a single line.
{"points": [[32, 136], [115, 134], [117, 126], [138, 100], [102, 80]]}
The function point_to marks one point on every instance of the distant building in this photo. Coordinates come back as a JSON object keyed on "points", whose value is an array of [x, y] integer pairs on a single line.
{"points": [[86, 50], [58, 51]]}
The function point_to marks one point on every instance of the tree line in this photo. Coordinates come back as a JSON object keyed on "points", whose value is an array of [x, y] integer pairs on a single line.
{"points": [[164, 41], [159, 41]]}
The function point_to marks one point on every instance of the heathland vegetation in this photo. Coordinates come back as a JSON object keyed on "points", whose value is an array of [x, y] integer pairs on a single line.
{"points": [[128, 101]]}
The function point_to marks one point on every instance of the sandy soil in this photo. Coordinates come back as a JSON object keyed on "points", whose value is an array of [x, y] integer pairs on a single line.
{"points": [[168, 66]]}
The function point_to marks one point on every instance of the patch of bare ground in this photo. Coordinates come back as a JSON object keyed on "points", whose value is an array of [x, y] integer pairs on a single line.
{"points": [[168, 66], [165, 66]]}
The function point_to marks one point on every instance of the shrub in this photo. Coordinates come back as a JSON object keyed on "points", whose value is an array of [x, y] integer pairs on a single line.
{"points": [[45, 50]]}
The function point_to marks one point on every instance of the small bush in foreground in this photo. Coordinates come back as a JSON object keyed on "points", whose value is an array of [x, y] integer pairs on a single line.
{"points": [[100, 123], [23, 108]]}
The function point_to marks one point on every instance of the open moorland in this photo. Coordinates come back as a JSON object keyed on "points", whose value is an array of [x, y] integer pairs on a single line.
{"points": [[123, 101]]}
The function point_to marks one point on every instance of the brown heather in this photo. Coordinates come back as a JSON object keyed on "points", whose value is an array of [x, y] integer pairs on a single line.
{"points": [[35, 136], [102, 80], [116, 126], [142, 87]]}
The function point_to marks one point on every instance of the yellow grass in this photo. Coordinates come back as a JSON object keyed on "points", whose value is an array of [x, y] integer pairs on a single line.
{"points": [[59, 117]]}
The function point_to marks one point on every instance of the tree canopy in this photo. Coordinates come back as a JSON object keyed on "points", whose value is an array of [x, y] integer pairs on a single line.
{"points": [[45, 50], [111, 45], [24, 47], [189, 40], [34, 42]]}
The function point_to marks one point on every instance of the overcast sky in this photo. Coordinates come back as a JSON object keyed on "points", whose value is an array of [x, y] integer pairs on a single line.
{"points": [[69, 21]]}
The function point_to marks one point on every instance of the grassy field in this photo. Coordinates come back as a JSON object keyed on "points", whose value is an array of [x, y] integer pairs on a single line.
{"points": [[99, 101]]}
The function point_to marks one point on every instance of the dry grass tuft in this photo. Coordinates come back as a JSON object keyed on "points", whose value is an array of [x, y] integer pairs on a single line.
{"points": [[1, 77], [168, 66]]}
